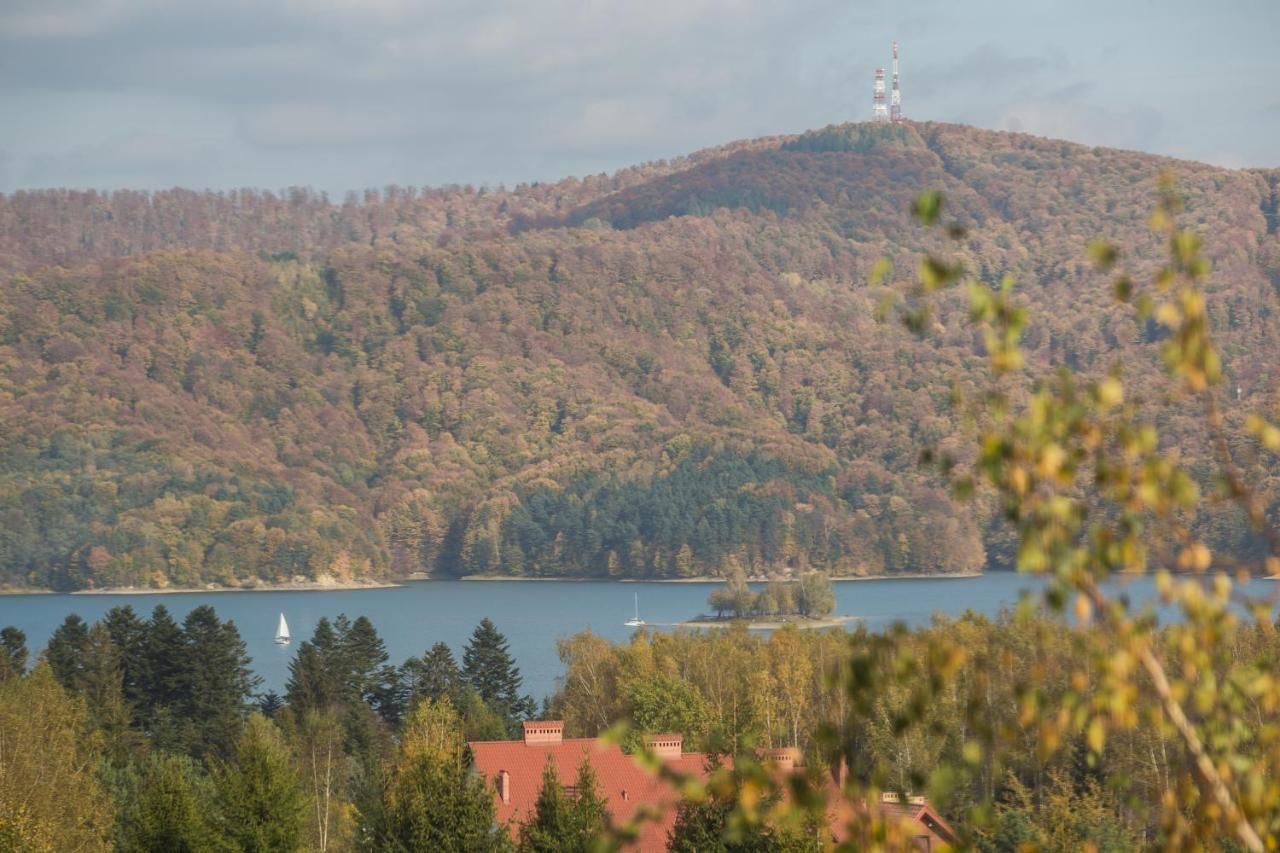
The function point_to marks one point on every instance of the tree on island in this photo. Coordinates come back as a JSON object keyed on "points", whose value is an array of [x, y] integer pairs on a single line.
{"points": [[814, 595], [811, 596]]}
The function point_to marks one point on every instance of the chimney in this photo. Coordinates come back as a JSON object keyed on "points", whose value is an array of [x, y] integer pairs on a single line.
{"points": [[504, 786], [666, 746], [840, 772], [787, 758], [542, 731]]}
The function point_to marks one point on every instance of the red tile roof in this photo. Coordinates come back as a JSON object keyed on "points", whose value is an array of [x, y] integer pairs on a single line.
{"points": [[624, 785]]}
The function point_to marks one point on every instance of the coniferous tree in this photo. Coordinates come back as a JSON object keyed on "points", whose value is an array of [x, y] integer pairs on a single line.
{"points": [[101, 684], [65, 652], [13, 652], [311, 685], [564, 822], [488, 668], [436, 674], [171, 810], [219, 681], [363, 655], [162, 676], [432, 800], [269, 703], [129, 634], [550, 828], [261, 803]]}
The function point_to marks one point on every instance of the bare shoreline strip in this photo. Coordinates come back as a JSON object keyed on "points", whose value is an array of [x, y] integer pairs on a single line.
{"points": [[358, 585], [773, 624], [285, 587], [935, 576]]}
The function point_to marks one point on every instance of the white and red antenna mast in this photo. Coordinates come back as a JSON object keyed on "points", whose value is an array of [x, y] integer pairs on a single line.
{"points": [[879, 112], [895, 98]]}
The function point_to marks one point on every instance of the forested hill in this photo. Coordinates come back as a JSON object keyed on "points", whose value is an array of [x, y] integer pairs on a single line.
{"points": [[661, 373]]}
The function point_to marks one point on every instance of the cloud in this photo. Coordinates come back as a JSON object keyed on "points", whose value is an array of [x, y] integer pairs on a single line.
{"points": [[353, 92], [1079, 121], [152, 158]]}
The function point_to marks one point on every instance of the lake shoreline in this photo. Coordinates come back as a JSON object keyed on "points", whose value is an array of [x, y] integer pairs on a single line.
{"points": [[274, 587], [312, 586], [927, 576], [772, 624]]}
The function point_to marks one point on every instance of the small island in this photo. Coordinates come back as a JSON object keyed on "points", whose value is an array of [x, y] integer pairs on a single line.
{"points": [[805, 602]]}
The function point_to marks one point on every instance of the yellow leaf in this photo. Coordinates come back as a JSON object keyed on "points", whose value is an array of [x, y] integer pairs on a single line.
{"points": [[1097, 735], [1110, 392]]}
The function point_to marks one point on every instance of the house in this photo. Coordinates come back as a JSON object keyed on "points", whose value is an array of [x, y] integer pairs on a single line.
{"points": [[513, 769]]}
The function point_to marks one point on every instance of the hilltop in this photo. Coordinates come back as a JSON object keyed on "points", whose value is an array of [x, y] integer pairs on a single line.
{"points": [[661, 373]]}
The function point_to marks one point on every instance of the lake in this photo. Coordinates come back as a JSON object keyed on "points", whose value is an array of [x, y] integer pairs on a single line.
{"points": [[533, 615]]}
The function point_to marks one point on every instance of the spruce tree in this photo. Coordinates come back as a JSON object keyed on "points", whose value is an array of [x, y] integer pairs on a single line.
{"points": [[488, 668], [261, 802], [128, 633], [102, 687], [311, 687], [363, 655], [162, 675], [219, 681], [549, 828], [171, 810], [65, 652], [435, 675], [563, 821], [432, 800], [590, 815]]}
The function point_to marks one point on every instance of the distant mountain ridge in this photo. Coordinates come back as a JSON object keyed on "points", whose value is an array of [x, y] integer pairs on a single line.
{"points": [[656, 374]]}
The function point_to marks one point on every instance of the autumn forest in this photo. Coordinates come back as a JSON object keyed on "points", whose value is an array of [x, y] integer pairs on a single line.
{"points": [[676, 370]]}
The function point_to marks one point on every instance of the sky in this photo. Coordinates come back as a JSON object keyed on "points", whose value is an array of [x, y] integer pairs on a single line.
{"points": [[347, 94]]}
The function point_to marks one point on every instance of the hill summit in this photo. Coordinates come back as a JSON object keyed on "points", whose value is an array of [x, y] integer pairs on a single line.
{"points": [[667, 372]]}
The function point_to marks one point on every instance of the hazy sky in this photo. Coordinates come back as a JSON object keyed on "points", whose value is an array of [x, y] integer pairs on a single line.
{"points": [[347, 94]]}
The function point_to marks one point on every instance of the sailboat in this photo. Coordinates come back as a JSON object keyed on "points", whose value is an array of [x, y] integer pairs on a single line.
{"points": [[635, 621], [282, 632]]}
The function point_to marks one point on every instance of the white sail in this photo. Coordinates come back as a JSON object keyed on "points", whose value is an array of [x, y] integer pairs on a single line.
{"points": [[635, 621], [282, 632]]}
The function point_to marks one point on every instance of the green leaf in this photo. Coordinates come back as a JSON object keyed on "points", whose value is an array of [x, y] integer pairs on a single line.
{"points": [[927, 207]]}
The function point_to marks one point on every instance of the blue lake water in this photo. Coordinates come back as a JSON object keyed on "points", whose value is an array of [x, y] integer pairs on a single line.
{"points": [[532, 615]]}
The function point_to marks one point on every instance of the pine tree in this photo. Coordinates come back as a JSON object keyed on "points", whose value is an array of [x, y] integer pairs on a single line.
{"points": [[488, 668], [261, 803]]}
